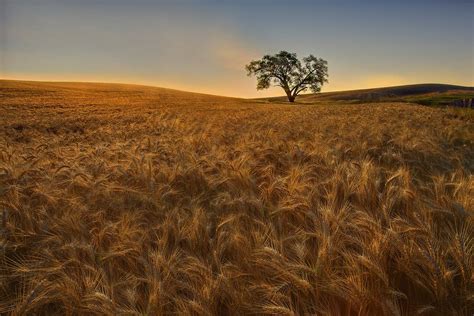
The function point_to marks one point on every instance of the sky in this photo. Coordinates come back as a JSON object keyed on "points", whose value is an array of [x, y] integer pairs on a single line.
{"points": [[203, 46]]}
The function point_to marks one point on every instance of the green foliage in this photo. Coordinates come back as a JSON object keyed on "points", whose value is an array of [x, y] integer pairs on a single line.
{"points": [[292, 75], [440, 99]]}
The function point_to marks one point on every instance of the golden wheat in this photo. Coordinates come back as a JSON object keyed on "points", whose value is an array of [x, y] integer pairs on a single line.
{"points": [[121, 199]]}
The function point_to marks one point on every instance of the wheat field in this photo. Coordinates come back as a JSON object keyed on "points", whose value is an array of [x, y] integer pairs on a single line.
{"points": [[132, 200]]}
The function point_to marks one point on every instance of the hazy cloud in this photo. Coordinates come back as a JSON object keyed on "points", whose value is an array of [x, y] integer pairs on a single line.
{"points": [[232, 52]]}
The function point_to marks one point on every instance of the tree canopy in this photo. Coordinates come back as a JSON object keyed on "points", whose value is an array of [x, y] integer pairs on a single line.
{"points": [[292, 75]]}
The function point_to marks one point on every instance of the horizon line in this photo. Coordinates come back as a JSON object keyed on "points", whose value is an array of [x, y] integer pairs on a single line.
{"points": [[226, 96]]}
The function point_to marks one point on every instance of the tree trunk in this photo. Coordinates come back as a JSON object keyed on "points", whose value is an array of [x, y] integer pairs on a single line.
{"points": [[290, 97]]}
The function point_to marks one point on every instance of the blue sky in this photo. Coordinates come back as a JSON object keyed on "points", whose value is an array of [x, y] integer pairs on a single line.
{"points": [[203, 45]]}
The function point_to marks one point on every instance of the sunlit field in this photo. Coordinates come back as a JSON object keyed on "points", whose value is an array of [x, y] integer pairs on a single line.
{"points": [[134, 200]]}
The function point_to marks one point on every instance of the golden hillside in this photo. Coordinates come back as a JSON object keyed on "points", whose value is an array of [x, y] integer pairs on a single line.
{"points": [[122, 199]]}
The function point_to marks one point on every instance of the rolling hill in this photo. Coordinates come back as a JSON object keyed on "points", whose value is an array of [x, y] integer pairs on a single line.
{"points": [[426, 94], [126, 199]]}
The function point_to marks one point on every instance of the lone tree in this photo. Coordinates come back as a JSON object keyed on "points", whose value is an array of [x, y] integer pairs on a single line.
{"points": [[286, 71]]}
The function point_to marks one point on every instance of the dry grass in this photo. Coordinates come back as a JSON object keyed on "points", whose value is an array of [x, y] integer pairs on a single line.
{"points": [[133, 200]]}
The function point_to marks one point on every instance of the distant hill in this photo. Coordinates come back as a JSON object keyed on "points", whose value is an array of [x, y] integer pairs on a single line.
{"points": [[427, 94], [23, 88]]}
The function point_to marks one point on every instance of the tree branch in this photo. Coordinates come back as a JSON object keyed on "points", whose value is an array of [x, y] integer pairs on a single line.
{"points": [[302, 81]]}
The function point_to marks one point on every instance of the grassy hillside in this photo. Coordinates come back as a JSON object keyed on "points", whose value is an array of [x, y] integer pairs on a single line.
{"points": [[121, 199], [426, 94]]}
